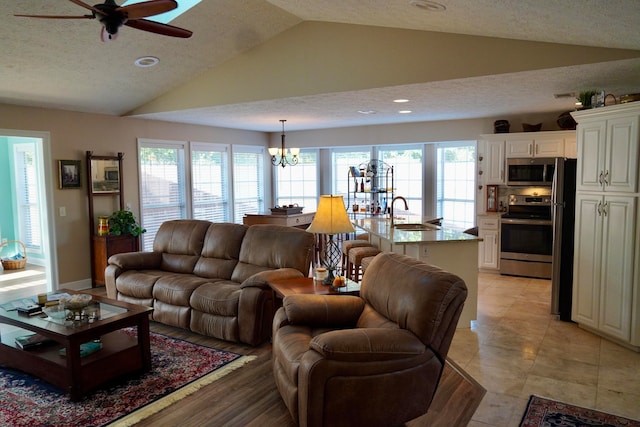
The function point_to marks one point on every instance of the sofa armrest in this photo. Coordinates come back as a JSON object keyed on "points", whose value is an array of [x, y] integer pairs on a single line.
{"points": [[323, 310], [262, 279], [137, 260], [367, 344]]}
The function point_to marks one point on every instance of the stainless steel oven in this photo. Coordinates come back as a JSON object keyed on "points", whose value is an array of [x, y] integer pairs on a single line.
{"points": [[526, 237]]}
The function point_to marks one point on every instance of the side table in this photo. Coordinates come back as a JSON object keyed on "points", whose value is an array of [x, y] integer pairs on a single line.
{"points": [[305, 285]]}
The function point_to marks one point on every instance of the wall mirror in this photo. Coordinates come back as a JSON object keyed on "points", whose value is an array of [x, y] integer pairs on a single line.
{"points": [[105, 175]]}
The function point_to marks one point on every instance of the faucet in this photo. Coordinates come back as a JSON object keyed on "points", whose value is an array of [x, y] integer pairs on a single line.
{"points": [[406, 206]]}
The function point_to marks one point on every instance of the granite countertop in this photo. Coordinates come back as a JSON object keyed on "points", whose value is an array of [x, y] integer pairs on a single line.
{"points": [[381, 227]]}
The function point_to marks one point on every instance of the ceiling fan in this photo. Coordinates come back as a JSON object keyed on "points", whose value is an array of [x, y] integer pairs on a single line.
{"points": [[112, 17]]}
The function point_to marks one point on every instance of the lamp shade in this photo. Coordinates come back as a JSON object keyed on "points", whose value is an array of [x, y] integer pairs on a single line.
{"points": [[331, 217]]}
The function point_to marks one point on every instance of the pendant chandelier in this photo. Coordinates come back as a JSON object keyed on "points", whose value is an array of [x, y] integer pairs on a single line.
{"points": [[283, 156]]}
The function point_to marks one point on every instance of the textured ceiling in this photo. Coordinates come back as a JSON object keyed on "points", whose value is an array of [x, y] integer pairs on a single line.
{"points": [[62, 64]]}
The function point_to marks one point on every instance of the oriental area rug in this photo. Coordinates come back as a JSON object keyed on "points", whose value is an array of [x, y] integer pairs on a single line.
{"points": [[549, 413], [179, 368]]}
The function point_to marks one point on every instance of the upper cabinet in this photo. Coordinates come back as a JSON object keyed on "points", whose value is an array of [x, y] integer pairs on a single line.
{"points": [[538, 144], [608, 149], [491, 160]]}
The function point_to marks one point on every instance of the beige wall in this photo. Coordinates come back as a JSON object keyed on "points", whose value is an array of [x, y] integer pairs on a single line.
{"points": [[72, 134]]}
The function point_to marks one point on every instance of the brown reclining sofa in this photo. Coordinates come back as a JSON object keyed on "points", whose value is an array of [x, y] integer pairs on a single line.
{"points": [[212, 278]]}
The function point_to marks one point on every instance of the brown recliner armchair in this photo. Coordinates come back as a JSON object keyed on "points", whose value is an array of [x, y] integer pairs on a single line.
{"points": [[373, 360]]}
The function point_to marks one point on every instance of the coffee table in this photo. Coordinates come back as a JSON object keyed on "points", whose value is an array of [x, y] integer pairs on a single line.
{"points": [[120, 354]]}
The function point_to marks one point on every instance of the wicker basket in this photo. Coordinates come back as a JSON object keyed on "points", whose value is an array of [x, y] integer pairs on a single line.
{"points": [[14, 264]]}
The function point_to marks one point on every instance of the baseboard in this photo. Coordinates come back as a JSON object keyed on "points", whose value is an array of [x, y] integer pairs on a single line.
{"points": [[76, 286]]}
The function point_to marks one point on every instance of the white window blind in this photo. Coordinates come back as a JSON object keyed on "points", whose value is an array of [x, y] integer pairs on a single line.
{"points": [[28, 196], [343, 159], [407, 174], [162, 186], [248, 181], [210, 182], [456, 184], [299, 184]]}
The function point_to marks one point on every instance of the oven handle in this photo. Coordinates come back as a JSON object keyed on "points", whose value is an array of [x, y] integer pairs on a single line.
{"points": [[527, 221]]}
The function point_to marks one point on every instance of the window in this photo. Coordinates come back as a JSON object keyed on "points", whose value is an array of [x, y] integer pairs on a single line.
{"points": [[210, 182], [248, 181], [407, 174], [299, 184], [162, 186], [342, 160], [456, 170], [28, 196]]}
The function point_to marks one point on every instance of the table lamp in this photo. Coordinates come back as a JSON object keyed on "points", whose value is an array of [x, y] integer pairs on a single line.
{"points": [[331, 218]]}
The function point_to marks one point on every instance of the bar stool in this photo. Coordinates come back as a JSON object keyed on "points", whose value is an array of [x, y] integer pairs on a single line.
{"points": [[365, 263], [348, 245], [356, 255]]}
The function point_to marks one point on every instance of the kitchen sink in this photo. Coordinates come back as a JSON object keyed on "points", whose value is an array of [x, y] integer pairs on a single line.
{"points": [[415, 227]]}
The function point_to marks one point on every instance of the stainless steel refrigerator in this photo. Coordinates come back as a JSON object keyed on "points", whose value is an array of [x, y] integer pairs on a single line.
{"points": [[564, 209]]}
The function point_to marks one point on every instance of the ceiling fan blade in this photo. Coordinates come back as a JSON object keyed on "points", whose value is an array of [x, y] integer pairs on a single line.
{"points": [[158, 28], [57, 17], [89, 7], [147, 8]]}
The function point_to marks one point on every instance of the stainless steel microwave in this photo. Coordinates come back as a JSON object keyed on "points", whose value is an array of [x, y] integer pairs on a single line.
{"points": [[527, 171]]}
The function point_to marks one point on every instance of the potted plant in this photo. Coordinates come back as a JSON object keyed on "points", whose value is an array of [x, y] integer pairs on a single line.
{"points": [[124, 222], [585, 98]]}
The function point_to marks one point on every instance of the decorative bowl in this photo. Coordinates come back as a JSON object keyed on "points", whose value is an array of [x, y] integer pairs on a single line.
{"points": [[77, 302], [56, 312]]}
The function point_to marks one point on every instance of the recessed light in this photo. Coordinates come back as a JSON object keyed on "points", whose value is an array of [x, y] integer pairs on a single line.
{"points": [[146, 61], [429, 6], [399, 101], [405, 111], [367, 111]]}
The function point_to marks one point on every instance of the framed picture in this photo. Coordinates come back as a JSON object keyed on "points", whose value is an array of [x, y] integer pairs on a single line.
{"points": [[69, 174]]}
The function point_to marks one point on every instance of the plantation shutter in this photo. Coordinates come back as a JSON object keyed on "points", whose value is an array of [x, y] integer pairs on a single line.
{"points": [[27, 192]]}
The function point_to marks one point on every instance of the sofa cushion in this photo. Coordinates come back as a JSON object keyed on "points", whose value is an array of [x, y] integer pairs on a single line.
{"points": [[181, 243], [219, 298], [176, 289], [138, 284], [267, 247], [221, 250]]}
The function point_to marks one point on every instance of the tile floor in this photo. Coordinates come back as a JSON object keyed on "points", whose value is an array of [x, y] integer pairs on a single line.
{"points": [[516, 348]]}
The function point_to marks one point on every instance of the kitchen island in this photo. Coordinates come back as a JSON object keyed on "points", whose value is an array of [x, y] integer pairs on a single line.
{"points": [[451, 250]]}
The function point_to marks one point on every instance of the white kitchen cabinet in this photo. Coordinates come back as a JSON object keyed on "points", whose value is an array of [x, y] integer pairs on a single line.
{"points": [[606, 294], [489, 247], [608, 153], [571, 147], [491, 160], [603, 268], [495, 162], [535, 146]]}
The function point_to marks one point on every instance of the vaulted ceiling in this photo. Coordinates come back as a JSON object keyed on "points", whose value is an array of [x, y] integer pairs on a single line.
{"points": [[325, 63]]}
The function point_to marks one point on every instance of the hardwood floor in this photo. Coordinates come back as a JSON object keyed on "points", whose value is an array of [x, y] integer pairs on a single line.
{"points": [[28, 281], [248, 396]]}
